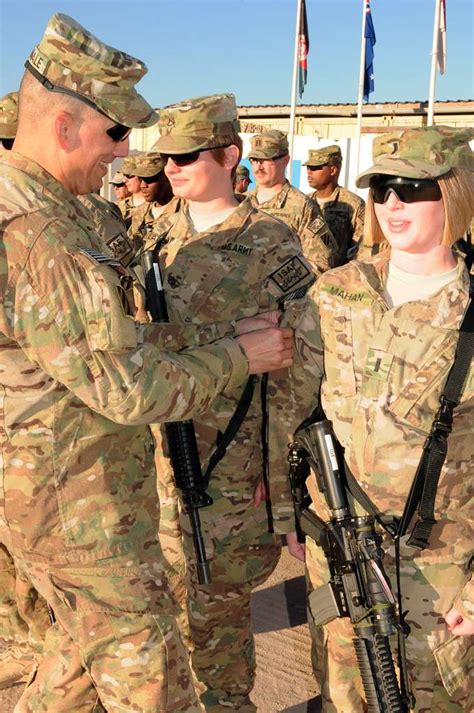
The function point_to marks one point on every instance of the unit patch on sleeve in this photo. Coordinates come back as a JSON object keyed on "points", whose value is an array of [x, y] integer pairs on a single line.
{"points": [[290, 274]]}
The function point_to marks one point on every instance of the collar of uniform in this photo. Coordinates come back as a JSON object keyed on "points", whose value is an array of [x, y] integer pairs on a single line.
{"points": [[234, 223], [48, 183], [445, 309]]}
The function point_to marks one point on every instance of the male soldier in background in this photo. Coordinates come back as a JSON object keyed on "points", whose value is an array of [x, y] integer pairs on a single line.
{"points": [[23, 614], [135, 199], [222, 258], [80, 380], [155, 189], [274, 194], [121, 190], [343, 210], [242, 179]]}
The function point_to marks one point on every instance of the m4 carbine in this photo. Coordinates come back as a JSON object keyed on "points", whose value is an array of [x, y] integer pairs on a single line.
{"points": [[181, 437], [358, 586]]}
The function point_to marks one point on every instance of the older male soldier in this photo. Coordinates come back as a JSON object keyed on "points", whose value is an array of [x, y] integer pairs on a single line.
{"points": [[242, 179], [23, 614], [222, 258], [80, 379], [269, 158], [343, 210]]}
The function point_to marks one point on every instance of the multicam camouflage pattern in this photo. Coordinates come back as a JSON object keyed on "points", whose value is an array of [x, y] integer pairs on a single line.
{"points": [[148, 164], [129, 164], [202, 122], [110, 226], [268, 145], [427, 152], [304, 216], [117, 179], [242, 171], [8, 115], [70, 57], [384, 373], [344, 213], [78, 507], [319, 157], [247, 263]]}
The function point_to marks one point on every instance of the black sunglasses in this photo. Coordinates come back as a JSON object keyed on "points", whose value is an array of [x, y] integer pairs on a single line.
{"points": [[150, 179], [118, 132], [119, 185], [318, 167], [185, 159], [408, 190]]}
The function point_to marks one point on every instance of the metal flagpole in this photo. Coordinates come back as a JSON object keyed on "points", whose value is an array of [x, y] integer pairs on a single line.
{"points": [[291, 132], [434, 60], [361, 86]]}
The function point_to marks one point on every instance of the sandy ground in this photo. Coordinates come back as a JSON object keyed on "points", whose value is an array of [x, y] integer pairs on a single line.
{"points": [[284, 680]]}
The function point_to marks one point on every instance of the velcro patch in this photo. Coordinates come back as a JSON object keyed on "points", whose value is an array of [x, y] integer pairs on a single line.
{"points": [[290, 274], [101, 259]]}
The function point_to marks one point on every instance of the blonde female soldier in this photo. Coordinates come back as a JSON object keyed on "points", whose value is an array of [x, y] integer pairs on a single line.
{"points": [[380, 336]]}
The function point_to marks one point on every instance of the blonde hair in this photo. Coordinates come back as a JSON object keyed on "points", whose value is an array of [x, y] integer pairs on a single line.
{"points": [[457, 191]]}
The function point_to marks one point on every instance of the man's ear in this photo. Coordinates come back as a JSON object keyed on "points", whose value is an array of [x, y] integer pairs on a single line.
{"points": [[334, 170], [286, 160], [231, 156], [64, 129]]}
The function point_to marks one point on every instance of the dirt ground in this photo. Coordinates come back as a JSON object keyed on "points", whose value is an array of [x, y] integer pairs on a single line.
{"points": [[284, 681]]}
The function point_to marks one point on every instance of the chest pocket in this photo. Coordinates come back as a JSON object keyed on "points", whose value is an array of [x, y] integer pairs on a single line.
{"points": [[336, 327], [107, 304], [418, 399]]}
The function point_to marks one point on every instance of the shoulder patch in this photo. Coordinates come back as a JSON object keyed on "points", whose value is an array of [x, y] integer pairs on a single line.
{"points": [[290, 276]]}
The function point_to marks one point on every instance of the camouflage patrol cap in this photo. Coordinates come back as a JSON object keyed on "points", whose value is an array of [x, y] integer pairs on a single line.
{"points": [[200, 123], [117, 179], [268, 144], [319, 157], [129, 164], [148, 164], [242, 171], [427, 152], [71, 60], [8, 116]]}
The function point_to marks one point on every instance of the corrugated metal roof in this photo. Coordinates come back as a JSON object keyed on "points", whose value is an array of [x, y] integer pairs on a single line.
{"points": [[458, 106]]}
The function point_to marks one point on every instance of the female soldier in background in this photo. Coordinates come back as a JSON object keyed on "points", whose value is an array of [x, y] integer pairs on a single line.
{"points": [[381, 336]]}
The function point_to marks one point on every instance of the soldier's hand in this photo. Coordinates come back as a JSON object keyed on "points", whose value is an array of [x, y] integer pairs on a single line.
{"points": [[295, 548], [259, 321], [458, 625], [268, 349]]}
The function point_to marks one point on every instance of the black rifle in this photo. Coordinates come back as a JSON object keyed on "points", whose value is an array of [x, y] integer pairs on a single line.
{"points": [[180, 436], [358, 586]]}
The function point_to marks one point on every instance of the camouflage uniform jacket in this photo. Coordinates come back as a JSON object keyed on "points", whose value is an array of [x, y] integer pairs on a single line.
{"points": [[125, 206], [79, 378], [384, 372], [110, 225], [140, 225], [344, 212], [249, 263], [304, 216]]}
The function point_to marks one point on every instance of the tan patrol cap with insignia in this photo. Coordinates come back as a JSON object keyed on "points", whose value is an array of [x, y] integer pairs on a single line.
{"points": [[268, 145], [200, 123], [71, 60], [117, 179], [242, 171], [320, 157], [427, 152], [8, 115], [149, 164]]}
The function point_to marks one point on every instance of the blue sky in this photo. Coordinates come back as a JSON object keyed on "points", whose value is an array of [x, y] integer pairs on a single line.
{"points": [[195, 47]]}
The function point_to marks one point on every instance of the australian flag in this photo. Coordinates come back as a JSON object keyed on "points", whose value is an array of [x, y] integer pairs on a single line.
{"points": [[369, 84]]}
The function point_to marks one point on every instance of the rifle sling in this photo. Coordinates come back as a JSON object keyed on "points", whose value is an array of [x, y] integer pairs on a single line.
{"points": [[224, 439]]}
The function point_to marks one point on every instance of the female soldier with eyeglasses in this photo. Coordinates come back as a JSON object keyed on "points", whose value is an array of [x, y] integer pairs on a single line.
{"points": [[377, 342]]}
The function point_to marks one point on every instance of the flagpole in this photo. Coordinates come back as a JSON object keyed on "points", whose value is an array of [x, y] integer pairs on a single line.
{"points": [[434, 59], [361, 86], [291, 132]]}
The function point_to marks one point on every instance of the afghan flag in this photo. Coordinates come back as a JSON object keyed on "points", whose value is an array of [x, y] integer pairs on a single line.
{"points": [[369, 82], [442, 50], [303, 49]]}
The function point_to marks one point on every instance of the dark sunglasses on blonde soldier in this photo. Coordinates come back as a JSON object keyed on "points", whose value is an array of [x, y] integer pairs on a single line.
{"points": [[185, 159], [407, 190]]}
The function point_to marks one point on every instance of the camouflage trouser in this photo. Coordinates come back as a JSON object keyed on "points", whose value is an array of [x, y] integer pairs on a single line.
{"points": [[23, 622], [106, 651], [440, 665]]}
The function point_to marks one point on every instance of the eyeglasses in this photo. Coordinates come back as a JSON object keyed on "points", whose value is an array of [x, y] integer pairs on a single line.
{"points": [[186, 159], [149, 179], [407, 190], [318, 167], [119, 185], [262, 160], [128, 176], [118, 132]]}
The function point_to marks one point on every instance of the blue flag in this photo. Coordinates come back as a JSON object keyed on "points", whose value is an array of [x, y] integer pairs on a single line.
{"points": [[369, 84]]}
